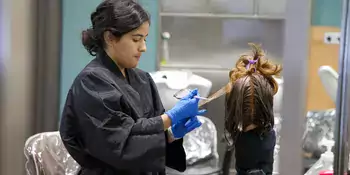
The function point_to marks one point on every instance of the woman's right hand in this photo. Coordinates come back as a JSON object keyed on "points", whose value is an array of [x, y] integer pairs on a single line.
{"points": [[186, 107]]}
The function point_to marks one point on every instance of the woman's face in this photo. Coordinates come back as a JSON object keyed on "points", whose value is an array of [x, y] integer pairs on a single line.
{"points": [[127, 50]]}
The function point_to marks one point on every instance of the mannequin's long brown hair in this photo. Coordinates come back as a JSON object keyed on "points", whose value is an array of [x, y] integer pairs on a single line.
{"points": [[250, 94]]}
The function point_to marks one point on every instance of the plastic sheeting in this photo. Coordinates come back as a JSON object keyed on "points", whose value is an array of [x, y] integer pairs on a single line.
{"points": [[201, 143], [325, 162], [319, 126], [46, 155], [277, 128], [201, 149]]}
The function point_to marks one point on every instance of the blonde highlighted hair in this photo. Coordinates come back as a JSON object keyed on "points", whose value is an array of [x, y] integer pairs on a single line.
{"points": [[250, 93]]}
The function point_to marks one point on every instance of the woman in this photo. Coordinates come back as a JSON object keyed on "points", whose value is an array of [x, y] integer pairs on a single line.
{"points": [[249, 113], [113, 120]]}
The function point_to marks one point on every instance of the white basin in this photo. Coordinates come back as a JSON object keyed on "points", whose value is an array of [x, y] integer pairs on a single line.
{"points": [[277, 99], [329, 79], [170, 82], [277, 109]]}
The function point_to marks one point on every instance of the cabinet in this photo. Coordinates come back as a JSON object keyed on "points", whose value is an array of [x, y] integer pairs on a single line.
{"points": [[272, 7], [213, 33], [263, 9], [232, 7], [184, 6]]}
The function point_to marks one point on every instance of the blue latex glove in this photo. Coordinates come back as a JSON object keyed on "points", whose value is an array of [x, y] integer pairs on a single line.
{"points": [[186, 107], [185, 126]]}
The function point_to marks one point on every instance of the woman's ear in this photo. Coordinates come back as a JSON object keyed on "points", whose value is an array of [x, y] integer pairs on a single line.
{"points": [[108, 38]]}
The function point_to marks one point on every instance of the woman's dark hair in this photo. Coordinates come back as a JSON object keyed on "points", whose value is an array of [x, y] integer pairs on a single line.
{"points": [[250, 97], [116, 16]]}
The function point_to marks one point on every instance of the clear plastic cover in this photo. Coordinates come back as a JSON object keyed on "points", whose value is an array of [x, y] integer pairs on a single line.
{"points": [[319, 126], [46, 155], [202, 142], [326, 160], [201, 149], [277, 128], [318, 139], [324, 163]]}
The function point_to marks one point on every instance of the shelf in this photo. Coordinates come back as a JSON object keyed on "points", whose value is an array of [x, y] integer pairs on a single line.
{"points": [[194, 66], [218, 15]]}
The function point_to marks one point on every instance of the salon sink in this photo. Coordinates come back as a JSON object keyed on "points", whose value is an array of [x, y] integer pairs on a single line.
{"points": [[170, 82]]}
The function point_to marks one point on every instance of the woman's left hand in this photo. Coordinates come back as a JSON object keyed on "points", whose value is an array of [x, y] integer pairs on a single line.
{"points": [[179, 130]]}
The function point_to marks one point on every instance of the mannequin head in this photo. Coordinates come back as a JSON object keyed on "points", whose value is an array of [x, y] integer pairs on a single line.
{"points": [[250, 98]]}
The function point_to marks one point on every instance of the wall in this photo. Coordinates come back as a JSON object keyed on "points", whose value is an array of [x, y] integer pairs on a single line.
{"points": [[17, 102], [148, 61], [75, 57], [326, 13], [326, 17]]}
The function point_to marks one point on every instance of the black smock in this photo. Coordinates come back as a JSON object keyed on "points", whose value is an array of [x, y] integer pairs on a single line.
{"points": [[255, 152], [111, 125]]}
